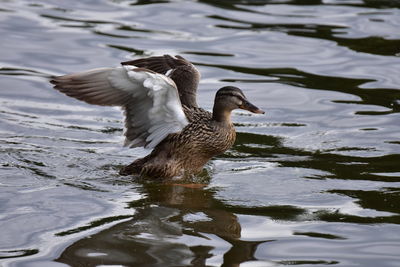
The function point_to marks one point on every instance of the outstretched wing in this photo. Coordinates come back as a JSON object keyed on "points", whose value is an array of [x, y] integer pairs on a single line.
{"points": [[150, 100], [182, 72]]}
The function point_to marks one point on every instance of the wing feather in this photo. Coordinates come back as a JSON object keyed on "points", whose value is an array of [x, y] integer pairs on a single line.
{"points": [[151, 101], [181, 71]]}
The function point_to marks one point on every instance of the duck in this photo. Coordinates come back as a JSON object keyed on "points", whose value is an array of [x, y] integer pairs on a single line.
{"points": [[158, 95]]}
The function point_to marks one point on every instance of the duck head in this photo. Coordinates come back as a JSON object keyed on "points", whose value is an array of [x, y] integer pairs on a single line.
{"points": [[229, 98]]}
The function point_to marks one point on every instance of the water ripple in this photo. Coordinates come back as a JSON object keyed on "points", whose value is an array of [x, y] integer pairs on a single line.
{"points": [[318, 173]]}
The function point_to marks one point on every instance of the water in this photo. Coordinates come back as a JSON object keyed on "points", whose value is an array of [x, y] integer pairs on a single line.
{"points": [[313, 182]]}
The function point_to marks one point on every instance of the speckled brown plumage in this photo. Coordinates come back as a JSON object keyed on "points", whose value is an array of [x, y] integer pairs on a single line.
{"points": [[186, 153]]}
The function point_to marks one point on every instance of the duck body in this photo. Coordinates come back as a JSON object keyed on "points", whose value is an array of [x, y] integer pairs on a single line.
{"points": [[158, 95], [186, 153]]}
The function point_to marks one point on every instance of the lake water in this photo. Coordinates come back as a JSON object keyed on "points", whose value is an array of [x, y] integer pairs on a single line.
{"points": [[313, 182]]}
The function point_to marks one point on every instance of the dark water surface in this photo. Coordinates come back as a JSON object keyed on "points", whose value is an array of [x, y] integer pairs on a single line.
{"points": [[314, 182]]}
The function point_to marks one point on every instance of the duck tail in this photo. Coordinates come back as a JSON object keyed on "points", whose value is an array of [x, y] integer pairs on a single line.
{"points": [[135, 168]]}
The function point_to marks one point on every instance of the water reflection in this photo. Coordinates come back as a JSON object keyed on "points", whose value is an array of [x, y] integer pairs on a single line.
{"points": [[379, 96], [17, 253], [318, 177], [164, 221], [333, 166], [188, 224], [372, 45]]}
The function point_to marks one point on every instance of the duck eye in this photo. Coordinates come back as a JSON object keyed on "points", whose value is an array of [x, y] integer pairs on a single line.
{"points": [[240, 99]]}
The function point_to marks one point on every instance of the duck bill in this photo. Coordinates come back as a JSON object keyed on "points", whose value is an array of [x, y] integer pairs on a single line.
{"points": [[246, 105]]}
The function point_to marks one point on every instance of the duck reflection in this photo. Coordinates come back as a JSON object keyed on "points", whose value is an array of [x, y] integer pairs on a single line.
{"points": [[174, 225]]}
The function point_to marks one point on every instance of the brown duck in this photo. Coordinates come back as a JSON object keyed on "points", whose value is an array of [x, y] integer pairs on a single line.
{"points": [[158, 95]]}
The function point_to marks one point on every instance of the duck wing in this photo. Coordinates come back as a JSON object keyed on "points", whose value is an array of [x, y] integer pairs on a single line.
{"points": [[150, 100], [181, 71]]}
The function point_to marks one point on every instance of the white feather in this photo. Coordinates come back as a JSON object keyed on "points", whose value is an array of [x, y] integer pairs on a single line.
{"points": [[151, 100]]}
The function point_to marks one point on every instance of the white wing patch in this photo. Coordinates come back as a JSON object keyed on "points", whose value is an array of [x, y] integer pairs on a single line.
{"points": [[169, 72], [150, 100], [160, 108]]}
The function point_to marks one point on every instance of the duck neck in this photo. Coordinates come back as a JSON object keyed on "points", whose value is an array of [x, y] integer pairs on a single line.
{"points": [[222, 115]]}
